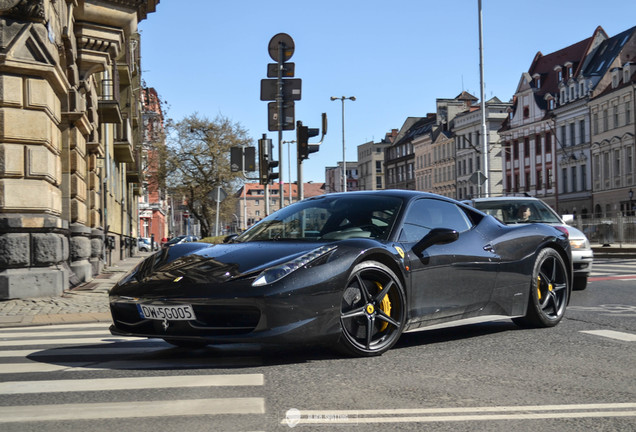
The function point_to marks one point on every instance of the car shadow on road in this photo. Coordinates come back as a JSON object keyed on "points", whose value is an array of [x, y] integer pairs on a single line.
{"points": [[154, 354]]}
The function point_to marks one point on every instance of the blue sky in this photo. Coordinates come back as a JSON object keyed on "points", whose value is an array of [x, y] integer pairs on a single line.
{"points": [[396, 57]]}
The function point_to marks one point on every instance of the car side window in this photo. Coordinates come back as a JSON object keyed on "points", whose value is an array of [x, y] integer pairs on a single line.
{"points": [[428, 213]]}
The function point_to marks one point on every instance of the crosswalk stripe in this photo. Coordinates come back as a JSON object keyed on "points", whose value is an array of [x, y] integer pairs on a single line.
{"points": [[53, 334], [108, 410], [627, 337], [135, 383], [46, 328], [68, 341], [65, 352]]}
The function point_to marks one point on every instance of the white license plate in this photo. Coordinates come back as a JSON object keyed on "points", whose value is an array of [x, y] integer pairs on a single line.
{"points": [[171, 313]]}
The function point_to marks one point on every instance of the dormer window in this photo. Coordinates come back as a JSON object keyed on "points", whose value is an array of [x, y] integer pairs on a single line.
{"points": [[615, 77], [560, 75], [627, 72], [537, 80]]}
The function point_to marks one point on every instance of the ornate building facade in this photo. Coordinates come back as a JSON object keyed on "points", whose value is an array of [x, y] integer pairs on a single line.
{"points": [[70, 129]]}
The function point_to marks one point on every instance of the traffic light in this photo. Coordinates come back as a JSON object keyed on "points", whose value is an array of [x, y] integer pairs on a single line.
{"points": [[303, 133], [266, 165]]}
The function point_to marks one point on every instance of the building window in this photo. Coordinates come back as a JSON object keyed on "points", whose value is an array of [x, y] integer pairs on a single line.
{"points": [[583, 177], [378, 182], [616, 116], [605, 120], [527, 180], [628, 160], [548, 143], [574, 185], [572, 134], [526, 147], [606, 165], [515, 149], [581, 131], [526, 112], [537, 144], [564, 142], [617, 163], [539, 179], [628, 112], [564, 180], [548, 180], [595, 123], [378, 166], [597, 167]]}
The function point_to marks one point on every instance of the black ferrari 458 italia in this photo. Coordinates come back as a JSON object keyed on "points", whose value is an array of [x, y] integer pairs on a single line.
{"points": [[352, 270]]}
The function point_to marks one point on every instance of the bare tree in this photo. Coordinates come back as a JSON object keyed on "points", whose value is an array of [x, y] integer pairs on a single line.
{"points": [[198, 162]]}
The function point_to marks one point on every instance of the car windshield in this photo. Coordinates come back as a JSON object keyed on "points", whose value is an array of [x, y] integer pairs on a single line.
{"points": [[519, 211], [328, 218]]}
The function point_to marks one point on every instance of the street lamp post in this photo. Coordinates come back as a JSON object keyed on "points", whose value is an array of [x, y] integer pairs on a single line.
{"points": [[344, 156]]}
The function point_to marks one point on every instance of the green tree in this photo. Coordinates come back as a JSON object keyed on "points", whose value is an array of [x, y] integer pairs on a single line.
{"points": [[197, 156]]}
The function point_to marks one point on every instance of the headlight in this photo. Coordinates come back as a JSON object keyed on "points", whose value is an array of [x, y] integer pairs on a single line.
{"points": [[579, 244], [278, 272]]}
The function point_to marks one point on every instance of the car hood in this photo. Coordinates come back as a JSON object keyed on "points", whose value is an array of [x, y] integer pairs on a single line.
{"points": [[203, 263]]}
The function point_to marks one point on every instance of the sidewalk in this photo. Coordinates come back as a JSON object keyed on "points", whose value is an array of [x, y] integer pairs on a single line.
{"points": [[86, 303]]}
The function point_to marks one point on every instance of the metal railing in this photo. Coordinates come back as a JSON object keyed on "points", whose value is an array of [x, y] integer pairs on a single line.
{"points": [[608, 230]]}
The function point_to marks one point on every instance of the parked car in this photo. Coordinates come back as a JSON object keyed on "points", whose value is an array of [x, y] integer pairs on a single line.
{"points": [[353, 271], [144, 244], [508, 209], [180, 239]]}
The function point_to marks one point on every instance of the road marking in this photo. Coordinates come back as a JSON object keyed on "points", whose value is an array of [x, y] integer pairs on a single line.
{"points": [[45, 328], [109, 410], [603, 278], [78, 333], [136, 383], [462, 414], [627, 337], [70, 341], [65, 352]]}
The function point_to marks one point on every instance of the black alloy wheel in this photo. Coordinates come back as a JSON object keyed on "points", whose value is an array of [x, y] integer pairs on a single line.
{"points": [[373, 310], [549, 291]]}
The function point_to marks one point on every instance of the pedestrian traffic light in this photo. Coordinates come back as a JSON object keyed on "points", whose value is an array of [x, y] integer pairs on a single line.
{"points": [[266, 165], [303, 133]]}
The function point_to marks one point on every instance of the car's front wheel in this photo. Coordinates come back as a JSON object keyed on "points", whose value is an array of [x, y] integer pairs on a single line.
{"points": [[373, 310], [549, 291]]}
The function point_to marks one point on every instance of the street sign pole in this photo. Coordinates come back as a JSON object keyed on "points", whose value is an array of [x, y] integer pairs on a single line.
{"points": [[279, 102]]}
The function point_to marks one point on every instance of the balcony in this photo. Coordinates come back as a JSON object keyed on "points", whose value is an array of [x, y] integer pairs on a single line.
{"points": [[108, 103], [123, 142]]}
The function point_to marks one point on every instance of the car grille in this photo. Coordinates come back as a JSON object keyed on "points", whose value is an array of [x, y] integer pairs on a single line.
{"points": [[212, 320]]}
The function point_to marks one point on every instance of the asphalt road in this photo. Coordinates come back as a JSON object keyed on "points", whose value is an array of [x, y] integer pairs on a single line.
{"points": [[580, 375]]}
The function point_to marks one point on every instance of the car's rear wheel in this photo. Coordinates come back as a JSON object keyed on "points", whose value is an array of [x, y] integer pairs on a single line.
{"points": [[549, 291], [373, 310], [580, 283]]}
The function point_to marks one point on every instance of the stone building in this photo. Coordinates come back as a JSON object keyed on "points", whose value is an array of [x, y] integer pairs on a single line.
{"points": [[154, 211], [371, 162], [613, 144], [69, 140], [250, 205], [469, 155]]}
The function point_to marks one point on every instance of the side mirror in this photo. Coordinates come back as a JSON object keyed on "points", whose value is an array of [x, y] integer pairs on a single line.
{"points": [[435, 236], [229, 238]]}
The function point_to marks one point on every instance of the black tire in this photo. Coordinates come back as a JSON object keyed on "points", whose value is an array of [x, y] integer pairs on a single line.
{"points": [[580, 283], [373, 310], [185, 343], [549, 291]]}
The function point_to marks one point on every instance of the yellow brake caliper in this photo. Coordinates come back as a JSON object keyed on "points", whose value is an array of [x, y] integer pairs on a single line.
{"points": [[550, 287], [385, 306]]}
